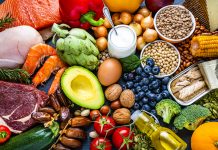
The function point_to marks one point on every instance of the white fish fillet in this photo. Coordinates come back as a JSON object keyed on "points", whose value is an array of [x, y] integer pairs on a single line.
{"points": [[15, 43], [180, 85]]}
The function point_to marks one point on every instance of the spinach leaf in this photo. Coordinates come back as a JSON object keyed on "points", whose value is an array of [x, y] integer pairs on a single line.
{"points": [[130, 63]]}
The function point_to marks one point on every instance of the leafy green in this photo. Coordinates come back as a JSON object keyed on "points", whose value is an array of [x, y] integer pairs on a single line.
{"points": [[14, 75], [6, 20], [130, 63]]}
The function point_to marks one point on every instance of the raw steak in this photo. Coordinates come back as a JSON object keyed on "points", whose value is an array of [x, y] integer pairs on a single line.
{"points": [[17, 102]]}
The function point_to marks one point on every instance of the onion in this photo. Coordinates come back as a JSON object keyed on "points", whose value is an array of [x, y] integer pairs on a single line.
{"points": [[138, 18], [125, 18], [137, 28], [107, 23], [100, 31], [147, 22], [150, 35], [144, 11], [116, 18], [140, 43], [101, 43]]}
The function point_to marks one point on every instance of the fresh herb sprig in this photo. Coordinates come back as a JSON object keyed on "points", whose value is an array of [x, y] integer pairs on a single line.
{"points": [[15, 75], [6, 20]]}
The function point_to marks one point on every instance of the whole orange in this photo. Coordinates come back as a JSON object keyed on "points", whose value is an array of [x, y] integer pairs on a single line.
{"points": [[205, 137]]}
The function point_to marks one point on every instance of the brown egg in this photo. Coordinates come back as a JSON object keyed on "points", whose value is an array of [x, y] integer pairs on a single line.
{"points": [[109, 71]]}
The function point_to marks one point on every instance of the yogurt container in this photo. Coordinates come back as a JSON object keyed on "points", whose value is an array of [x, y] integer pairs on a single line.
{"points": [[123, 43]]}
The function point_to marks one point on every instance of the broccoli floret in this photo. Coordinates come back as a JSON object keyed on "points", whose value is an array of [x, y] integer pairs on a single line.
{"points": [[167, 109], [191, 117]]}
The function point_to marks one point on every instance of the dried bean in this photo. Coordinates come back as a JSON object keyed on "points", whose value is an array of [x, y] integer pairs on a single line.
{"points": [[72, 143], [54, 102], [41, 116]]}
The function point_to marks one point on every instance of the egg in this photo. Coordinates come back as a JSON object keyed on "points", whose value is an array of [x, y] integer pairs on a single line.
{"points": [[109, 71]]}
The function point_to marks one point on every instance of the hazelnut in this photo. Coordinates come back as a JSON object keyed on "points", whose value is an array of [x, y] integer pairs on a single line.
{"points": [[115, 105], [113, 92], [122, 116], [105, 110], [127, 98]]}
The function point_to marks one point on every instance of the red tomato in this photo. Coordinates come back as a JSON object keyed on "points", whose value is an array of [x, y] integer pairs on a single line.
{"points": [[103, 124], [122, 138], [100, 143], [5, 134]]}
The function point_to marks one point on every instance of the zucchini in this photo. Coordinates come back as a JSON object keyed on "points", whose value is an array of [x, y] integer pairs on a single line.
{"points": [[37, 138]]}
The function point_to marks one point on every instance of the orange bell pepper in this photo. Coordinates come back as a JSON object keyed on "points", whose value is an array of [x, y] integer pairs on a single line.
{"points": [[123, 5]]}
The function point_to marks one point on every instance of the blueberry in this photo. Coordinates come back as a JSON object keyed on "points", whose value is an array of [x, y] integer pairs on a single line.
{"points": [[130, 76], [157, 91], [155, 84], [151, 96], [136, 84], [138, 89], [150, 87], [144, 75], [164, 87], [151, 78], [145, 81], [155, 70], [147, 69], [144, 100], [145, 88], [141, 104], [141, 83], [129, 84], [137, 78], [139, 70], [165, 80], [159, 97], [141, 94], [153, 111], [147, 93], [146, 107], [133, 90], [137, 97], [150, 62], [125, 76], [152, 103], [165, 94], [136, 106]]}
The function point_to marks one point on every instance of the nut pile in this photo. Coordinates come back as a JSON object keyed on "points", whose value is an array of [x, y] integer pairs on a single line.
{"points": [[186, 58], [103, 56], [164, 56], [174, 22]]}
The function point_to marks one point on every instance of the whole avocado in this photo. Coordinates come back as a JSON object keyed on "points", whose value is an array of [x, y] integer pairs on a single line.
{"points": [[75, 47]]}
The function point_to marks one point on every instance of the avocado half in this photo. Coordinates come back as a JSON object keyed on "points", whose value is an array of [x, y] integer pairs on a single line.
{"points": [[82, 87]]}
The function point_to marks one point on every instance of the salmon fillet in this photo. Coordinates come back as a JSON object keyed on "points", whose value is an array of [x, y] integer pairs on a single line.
{"points": [[36, 13]]}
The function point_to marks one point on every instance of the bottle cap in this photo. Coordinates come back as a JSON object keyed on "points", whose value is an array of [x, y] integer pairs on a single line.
{"points": [[135, 115]]}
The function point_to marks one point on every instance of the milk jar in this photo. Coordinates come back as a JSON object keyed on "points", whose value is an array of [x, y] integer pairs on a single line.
{"points": [[123, 43]]}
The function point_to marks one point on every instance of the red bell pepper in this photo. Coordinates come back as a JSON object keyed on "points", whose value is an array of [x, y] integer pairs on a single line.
{"points": [[82, 13]]}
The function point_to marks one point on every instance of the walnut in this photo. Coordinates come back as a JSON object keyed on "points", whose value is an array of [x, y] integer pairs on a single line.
{"points": [[127, 98], [122, 116], [113, 92]]}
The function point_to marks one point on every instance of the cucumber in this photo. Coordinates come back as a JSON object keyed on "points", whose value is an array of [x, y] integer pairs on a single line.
{"points": [[37, 138]]}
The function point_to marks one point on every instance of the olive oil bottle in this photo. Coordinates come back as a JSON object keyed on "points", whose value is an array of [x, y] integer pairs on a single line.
{"points": [[161, 137]]}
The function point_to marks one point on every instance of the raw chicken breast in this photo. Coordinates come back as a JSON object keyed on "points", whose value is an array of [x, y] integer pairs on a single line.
{"points": [[15, 44]]}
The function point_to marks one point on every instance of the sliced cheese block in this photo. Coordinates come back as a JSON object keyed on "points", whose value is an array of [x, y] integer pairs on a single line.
{"points": [[212, 10]]}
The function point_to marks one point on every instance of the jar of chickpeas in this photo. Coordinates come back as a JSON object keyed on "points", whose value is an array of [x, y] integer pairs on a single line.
{"points": [[165, 55]]}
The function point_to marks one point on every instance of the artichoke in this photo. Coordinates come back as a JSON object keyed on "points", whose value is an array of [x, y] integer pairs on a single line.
{"points": [[75, 47]]}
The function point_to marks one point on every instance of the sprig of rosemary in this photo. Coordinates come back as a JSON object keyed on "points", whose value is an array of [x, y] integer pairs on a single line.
{"points": [[6, 20], [15, 75]]}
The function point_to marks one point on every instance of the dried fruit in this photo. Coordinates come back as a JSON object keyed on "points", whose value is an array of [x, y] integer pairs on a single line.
{"points": [[80, 121], [113, 92], [122, 116], [127, 98]]}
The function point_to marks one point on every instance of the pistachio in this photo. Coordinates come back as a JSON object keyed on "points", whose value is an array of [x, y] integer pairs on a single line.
{"points": [[85, 113], [93, 134]]}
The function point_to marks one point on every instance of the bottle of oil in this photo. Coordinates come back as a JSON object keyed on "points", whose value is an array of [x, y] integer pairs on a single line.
{"points": [[162, 138]]}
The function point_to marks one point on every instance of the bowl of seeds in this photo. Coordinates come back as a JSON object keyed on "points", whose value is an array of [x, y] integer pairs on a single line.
{"points": [[164, 54], [174, 23]]}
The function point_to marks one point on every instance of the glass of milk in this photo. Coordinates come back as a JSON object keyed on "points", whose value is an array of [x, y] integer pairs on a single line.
{"points": [[123, 43]]}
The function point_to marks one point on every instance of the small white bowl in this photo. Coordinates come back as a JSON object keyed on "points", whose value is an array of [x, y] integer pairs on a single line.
{"points": [[165, 75], [174, 40]]}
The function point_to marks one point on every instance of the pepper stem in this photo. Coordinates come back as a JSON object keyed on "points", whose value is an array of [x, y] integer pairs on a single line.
{"points": [[89, 17], [216, 144]]}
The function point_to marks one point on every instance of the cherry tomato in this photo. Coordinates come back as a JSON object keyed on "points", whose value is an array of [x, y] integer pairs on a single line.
{"points": [[122, 138], [103, 125], [5, 134], [100, 143]]}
